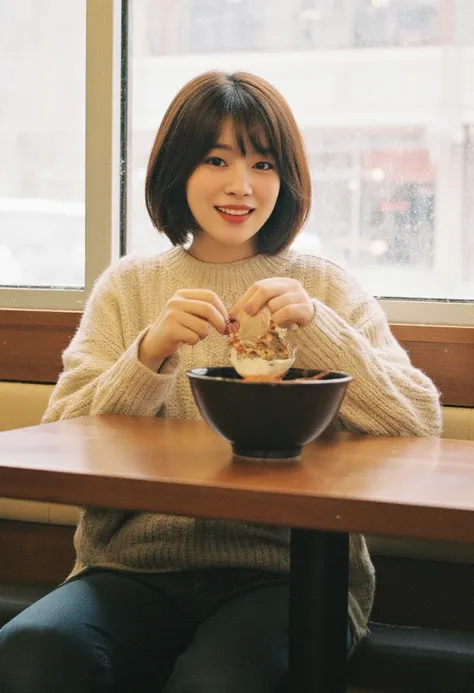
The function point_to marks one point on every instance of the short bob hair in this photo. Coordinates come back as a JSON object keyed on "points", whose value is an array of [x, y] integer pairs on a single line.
{"points": [[191, 127]]}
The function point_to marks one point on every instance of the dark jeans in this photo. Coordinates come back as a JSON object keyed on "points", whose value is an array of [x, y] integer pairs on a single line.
{"points": [[208, 631]]}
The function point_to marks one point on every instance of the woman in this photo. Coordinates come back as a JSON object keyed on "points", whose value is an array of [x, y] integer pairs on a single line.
{"points": [[179, 604]]}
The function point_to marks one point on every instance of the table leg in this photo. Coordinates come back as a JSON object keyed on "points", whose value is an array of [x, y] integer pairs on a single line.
{"points": [[318, 611]]}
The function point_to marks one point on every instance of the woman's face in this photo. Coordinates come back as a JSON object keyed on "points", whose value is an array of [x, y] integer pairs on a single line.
{"points": [[231, 196]]}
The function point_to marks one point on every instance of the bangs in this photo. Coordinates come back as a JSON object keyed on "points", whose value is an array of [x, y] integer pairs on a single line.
{"points": [[249, 128], [252, 124]]}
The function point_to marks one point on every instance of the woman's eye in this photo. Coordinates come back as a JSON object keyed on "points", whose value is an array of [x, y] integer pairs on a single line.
{"points": [[214, 161], [264, 166]]}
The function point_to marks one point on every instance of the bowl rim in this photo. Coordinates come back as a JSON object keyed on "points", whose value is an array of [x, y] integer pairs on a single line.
{"points": [[194, 374]]}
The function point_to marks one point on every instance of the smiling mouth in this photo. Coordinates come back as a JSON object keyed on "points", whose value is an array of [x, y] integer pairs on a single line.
{"points": [[234, 212]]}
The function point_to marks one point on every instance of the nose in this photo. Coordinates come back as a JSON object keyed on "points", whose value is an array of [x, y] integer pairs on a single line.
{"points": [[238, 182]]}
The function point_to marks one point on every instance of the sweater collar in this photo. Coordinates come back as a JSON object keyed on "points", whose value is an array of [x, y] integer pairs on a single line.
{"points": [[253, 267]]}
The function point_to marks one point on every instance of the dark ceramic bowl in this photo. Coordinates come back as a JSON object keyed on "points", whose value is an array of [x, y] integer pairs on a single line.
{"points": [[267, 420]]}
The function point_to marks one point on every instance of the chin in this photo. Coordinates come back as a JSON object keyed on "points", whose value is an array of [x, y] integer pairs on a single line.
{"points": [[234, 238]]}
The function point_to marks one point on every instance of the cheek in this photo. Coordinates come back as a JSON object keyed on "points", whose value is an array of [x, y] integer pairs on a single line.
{"points": [[272, 190], [198, 188]]}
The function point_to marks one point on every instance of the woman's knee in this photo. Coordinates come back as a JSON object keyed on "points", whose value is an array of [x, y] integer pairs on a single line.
{"points": [[35, 658], [191, 676]]}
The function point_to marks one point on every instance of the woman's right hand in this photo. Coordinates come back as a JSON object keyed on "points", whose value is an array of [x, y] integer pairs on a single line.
{"points": [[186, 319]]}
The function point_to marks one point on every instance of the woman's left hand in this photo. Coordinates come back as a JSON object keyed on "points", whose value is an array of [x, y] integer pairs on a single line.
{"points": [[286, 299]]}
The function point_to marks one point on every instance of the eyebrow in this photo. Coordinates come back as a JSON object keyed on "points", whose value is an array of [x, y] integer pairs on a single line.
{"points": [[229, 148]]}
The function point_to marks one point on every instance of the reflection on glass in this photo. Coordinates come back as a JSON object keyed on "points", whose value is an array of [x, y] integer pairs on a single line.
{"points": [[380, 89], [42, 75]]}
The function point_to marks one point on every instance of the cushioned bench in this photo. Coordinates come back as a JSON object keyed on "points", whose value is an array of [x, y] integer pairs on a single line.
{"points": [[398, 659], [15, 598], [392, 659]]}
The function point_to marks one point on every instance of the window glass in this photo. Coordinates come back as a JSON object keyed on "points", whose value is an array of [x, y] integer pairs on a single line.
{"points": [[384, 93], [42, 77]]}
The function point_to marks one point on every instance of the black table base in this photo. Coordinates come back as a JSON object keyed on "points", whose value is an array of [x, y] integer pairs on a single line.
{"points": [[318, 611]]}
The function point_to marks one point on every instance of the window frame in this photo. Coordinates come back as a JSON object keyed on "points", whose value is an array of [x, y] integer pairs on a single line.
{"points": [[42, 321]]}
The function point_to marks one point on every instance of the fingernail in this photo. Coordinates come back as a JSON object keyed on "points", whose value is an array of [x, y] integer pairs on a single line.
{"points": [[249, 310], [232, 325]]}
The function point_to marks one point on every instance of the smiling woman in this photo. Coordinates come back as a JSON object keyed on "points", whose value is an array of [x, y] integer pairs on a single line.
{"points": [[380, 205], [149, 320], [233, 140], [241, 188]]}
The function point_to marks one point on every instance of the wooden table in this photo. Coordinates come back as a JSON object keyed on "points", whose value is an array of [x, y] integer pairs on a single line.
{"points": [[411, 487]]}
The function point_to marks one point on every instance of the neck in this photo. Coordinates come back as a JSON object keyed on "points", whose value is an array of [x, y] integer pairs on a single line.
{"points": [[206, 249]]}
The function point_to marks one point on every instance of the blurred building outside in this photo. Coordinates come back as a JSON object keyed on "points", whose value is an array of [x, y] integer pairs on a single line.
{"points": [[382, 89]]}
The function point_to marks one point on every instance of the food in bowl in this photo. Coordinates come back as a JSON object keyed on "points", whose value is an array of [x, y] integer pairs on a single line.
{"points": [[260, 350]]}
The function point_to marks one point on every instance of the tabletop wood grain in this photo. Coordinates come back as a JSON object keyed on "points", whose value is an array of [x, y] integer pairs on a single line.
{"points": [[399, 486]]}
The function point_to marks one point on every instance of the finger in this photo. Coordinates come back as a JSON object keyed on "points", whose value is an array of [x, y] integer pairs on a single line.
{"points": [[255, 298], [232, 326], [204, 310], [195, 324], [264, 294], [206, 296], [185, 332], [294, 314], [286, 299], [238, 307], [186, 336]]}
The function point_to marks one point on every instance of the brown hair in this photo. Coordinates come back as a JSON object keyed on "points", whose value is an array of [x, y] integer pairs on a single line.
{"points": [[189, 129]]}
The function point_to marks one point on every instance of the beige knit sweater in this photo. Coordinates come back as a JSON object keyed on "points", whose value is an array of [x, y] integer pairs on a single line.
{"points": [[102, 375]]}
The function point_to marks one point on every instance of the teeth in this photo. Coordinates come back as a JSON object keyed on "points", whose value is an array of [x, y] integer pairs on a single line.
{"points": [[234, 212]]}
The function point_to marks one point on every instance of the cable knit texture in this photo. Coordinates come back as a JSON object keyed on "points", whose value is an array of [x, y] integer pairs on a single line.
{"points": [[102, 375]]}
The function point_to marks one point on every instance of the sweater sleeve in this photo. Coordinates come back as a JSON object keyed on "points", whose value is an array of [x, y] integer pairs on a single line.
{"points": [[350, 333], [101, 373]]}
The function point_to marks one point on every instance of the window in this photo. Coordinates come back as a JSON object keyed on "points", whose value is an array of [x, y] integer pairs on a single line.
{"points": [[382, 92], [42, 212], [53, 244], [382, 89]]}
